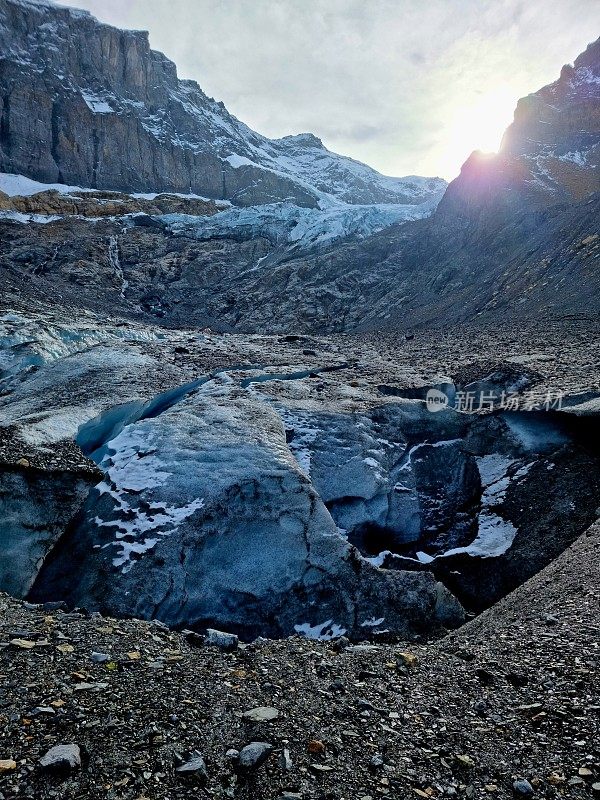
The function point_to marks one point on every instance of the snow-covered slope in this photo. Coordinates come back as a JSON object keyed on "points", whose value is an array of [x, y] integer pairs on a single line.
{"points": [[295, 228], [87, 104]]}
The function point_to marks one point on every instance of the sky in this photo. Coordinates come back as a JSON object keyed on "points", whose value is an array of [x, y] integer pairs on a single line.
{"points": [[407, 86]]}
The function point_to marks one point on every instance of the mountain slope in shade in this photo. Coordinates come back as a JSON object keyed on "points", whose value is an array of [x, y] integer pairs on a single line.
{"points": [[85, 103]]}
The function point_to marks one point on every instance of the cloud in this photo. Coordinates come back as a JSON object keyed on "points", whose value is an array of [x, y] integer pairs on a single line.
{"points": [[385, 81]]}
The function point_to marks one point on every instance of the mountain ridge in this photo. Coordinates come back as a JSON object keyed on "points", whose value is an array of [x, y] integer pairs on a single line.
{"points": [[111, 113]]}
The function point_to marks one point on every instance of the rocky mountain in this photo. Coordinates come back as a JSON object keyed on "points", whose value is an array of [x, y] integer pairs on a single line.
{"points": [[211, 417], [550, 154], [515, 235], [85, 103]]}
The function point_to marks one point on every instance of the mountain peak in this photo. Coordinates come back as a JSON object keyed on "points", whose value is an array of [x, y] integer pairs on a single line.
{"points": [[111, 113], [303, 140]]}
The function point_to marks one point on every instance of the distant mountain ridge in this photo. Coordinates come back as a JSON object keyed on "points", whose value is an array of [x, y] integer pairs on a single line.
{"points": [[85, 103]]}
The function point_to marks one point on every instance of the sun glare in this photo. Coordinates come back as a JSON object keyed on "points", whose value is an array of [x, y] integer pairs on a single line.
{"points": [[478, 126]]}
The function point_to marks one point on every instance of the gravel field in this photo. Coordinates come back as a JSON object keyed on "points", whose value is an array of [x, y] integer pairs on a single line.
{"points": [[505, 707]]}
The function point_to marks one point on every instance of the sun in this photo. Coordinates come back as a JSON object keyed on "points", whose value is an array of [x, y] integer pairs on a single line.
{"points": [[478, 125]]}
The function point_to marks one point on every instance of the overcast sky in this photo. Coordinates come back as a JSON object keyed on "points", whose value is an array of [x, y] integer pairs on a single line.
{"points": [[408, 86]]}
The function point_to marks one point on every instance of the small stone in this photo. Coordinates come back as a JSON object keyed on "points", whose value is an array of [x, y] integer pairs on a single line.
{"points": [[261, 714], [194, 765], [285, 760], [340, 644], [22, 644], [321, 768], [585, 772], [61, 758], [531, 708], [407, 660], [316, 747], [366, 674], [232, 754], [39, 710], [100, 658], [228, 642], [596, 788], [7, 764], [253, 755], [522, 788], [83, 686]]}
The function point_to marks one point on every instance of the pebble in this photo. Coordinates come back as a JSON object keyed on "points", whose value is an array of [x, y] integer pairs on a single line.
{"points": [[7, 764], [38, 710], [228, 642], [100, 658], [61, 758], [22, 644], [285, 760], [253, 755], [522, 788], [407, 660], [261, 714], [194, 765]]}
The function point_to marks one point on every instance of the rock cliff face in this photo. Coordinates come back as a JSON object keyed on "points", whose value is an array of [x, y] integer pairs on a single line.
{"points": [[85, 103]]}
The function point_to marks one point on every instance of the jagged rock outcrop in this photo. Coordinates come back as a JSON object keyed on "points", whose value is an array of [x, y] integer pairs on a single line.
{"points": [[104, 204], [88, 104]]}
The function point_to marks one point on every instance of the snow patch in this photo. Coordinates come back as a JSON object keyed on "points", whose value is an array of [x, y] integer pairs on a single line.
{"points": [[96, 104], [324, 632], [494, 537], [17, 216], [133, 466], [377, 561], [372, 622]]}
